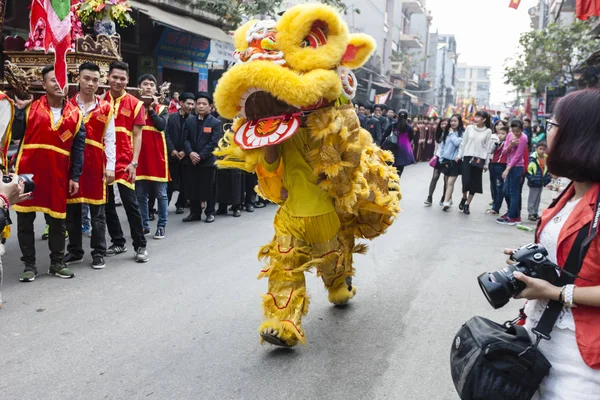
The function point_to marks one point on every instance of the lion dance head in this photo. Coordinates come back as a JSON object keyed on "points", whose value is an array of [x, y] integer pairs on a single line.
{"points": [[288, 68]]}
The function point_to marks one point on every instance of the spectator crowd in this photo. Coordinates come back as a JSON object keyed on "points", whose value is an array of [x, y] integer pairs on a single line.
{"points": [[512, 151]]}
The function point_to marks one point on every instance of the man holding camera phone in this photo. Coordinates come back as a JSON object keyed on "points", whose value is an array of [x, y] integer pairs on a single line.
{"points": [[52, 133]]}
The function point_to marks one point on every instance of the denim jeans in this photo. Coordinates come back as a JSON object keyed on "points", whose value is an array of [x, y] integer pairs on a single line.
{"points": [[85, 216], [497, 184], [512, 187], [159, 190]]}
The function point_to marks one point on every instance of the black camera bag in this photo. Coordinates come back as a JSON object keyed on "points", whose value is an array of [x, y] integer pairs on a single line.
{"points": [[490, 361]]}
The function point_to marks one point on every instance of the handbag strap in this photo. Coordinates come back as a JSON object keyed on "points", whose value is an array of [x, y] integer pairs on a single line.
{"points": [[573, 266]]}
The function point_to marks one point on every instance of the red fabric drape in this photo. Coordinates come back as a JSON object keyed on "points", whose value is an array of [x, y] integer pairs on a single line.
{"points": [[587, 8]]}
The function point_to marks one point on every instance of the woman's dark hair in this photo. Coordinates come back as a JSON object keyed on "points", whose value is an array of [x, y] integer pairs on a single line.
{"points": [[576, 143], [459, 129], [495, 126], [516, 123], [486, 116], [439, 132]]}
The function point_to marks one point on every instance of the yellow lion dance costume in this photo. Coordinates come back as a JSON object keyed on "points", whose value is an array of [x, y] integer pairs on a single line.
{"points": [[290, 96]]}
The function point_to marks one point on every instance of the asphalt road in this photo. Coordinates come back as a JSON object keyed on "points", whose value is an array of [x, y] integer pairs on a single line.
{"points": [[184, 325]]}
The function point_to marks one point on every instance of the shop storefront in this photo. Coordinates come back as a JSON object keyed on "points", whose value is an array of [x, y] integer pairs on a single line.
{"points": [[181, 59]]}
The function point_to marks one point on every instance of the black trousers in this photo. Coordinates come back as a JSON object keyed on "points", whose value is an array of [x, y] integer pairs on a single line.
{"points": [[200, 186], [98, 242], [177, 183], [132, 209], [250, 182], [26, 236], [230, 188]]}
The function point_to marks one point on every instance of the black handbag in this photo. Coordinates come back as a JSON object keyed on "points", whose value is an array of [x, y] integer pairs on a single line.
{"points": [[490, 361], [391, 141], [477, 162]]}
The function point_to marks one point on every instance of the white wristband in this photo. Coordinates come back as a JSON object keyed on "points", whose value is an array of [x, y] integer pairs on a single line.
{"points": [[568, 296]]}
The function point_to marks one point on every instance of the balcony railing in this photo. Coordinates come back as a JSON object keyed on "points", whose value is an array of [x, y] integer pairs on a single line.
{"points": [[413, 6], [410, 42]]}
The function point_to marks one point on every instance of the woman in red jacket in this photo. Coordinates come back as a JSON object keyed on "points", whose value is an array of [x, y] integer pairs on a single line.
{"points": [[574, 349]]}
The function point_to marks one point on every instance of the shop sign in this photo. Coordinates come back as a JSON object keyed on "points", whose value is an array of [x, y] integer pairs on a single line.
{"points": [[221, 51], [178, 44]]}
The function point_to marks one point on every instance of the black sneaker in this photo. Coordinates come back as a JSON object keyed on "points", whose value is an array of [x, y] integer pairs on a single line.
{"points": [[152, 216], [146, 231], [428, 202], [60, 270], [71, 259], [209, 219], [114, 250], [237, 213], [160, 233], [29, 273], [98, 262], [249, 207], [466, 209], [461, 206], [141, 255]]}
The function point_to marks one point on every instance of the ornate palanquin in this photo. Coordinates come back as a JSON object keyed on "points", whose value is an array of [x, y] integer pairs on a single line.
{"points": [[22, 70]]}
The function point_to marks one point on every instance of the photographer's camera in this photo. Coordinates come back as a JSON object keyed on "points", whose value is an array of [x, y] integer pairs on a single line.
{"points": [[531, 260]]}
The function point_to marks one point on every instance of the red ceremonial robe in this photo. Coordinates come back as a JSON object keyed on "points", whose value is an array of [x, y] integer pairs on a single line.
{"points": [[92, 187], [46, 153], [154, 161], [126, 109]]}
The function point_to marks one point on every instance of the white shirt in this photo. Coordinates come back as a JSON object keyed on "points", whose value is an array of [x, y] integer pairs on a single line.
{"points": [[56, 113], [109, 136], [476, 143], [549, 239], [569, 378]]}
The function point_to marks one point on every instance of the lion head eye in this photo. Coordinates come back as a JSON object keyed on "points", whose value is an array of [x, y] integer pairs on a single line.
{"points": [[316, 38]]}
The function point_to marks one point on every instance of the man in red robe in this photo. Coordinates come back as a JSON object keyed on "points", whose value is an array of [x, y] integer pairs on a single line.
{"points": [[98, 168], [129, 120], [52, 147], [153, 171]]}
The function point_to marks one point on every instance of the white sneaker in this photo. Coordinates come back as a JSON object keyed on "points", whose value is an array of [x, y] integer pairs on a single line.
{"points": [[447, 205]]}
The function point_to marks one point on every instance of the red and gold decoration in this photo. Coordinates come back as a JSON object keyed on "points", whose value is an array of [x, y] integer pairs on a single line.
{"points": [[266, 132]]}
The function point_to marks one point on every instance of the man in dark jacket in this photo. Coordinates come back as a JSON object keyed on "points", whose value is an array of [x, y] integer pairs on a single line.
{"points": [[378, 113], [175, 138], [202, 134], [373, 126]]}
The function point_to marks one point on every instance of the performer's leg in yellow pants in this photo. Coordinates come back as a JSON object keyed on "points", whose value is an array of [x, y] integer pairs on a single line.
{"points": [[301, 243]]}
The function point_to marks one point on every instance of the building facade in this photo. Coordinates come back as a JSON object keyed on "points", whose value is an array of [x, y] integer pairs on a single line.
{"points": [[444, 74], [473, 82]]}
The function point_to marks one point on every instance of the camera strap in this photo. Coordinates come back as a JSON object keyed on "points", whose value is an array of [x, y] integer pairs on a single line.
{"points": [[573, 265]]}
